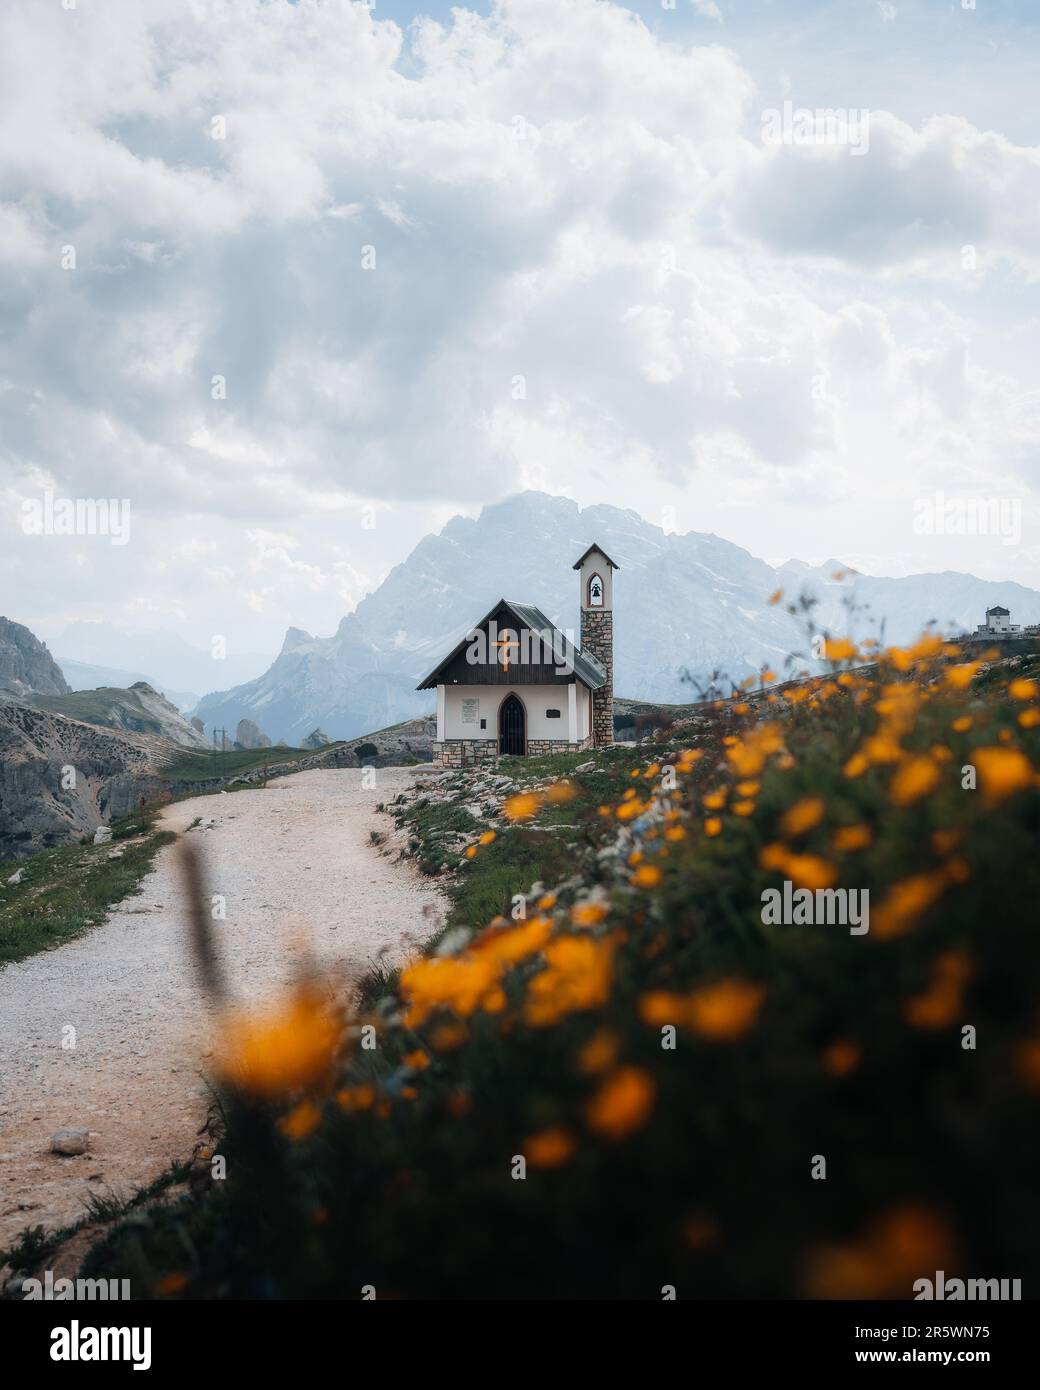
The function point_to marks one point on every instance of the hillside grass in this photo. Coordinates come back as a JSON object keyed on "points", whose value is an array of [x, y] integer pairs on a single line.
{"points": [[64, 892], [93, 707], [547, 847], [208, 766], [639, 1082]]}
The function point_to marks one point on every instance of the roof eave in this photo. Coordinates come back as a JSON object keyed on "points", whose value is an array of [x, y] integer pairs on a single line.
{"points": [[594, 546]]}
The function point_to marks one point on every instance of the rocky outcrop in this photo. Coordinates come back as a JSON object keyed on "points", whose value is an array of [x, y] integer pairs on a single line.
{"points": [[248, 735], [138, 710], [60, 778], [26, 666], [317, 738], [197, 724]]}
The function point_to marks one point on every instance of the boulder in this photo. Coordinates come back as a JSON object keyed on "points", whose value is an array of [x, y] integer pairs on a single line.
{"points": [[70, 1142]]}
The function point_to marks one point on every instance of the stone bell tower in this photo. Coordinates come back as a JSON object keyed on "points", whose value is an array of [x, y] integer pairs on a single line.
{"points": [[595, 575]]}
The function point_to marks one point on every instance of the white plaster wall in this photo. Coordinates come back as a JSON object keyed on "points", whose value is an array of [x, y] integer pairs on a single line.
{"points": [[536, 699]]}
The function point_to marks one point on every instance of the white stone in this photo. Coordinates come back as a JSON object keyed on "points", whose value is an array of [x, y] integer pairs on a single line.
{"points": [[70, 1142]]}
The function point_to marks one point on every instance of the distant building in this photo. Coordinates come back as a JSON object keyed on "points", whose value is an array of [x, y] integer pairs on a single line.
{"points": [[998, 624]]}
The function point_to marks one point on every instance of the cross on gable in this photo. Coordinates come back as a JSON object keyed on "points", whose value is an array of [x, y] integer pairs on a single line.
{"points": [[503, 643]]}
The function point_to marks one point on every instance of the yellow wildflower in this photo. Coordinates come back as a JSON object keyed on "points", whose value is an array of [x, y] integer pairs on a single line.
{"points": [[302, 1120], [802, 816], [646, 876], [599, 1053], [588, 914], [1002, 772], [885, 1260], [839, 649], [549, 1148], [905, 902], [522, 806], [446, 982], [841, 1057], [941, 1003], [578, 975], [278, 1050], [510, 944], [960, 677], [622, 1105], [810, 871], [725, 1011], [915, 778], [356, 1097], [850, 838]]}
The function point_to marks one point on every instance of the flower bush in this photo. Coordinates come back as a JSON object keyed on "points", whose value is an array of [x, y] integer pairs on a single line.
{"points": [[633, 1081]]}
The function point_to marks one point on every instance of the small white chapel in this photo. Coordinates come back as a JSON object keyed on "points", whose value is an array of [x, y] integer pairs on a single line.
{"points": [[516, 684]]}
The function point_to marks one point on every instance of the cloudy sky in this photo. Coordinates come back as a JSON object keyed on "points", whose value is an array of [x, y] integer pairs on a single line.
{"points": [[303, 280]]}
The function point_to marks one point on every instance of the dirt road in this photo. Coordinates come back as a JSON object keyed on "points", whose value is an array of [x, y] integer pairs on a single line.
{"points": [[292, 861]]}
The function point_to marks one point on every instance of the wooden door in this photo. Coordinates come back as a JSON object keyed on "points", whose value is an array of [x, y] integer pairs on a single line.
{"points": [[512, 730]]}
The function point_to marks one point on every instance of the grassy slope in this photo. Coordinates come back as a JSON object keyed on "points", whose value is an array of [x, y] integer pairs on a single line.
{"points": [[94, 707], [65, 891], [203, 767], [548, 848]]}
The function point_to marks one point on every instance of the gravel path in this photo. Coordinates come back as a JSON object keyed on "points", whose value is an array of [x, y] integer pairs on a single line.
{"points": [[295, 864]]}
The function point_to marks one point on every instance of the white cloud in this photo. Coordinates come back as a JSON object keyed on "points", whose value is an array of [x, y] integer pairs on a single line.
{"points": [[554, 193]]}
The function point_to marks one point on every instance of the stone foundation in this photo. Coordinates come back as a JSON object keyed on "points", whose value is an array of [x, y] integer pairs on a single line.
{"points": [[539, 747], [465, 752]]}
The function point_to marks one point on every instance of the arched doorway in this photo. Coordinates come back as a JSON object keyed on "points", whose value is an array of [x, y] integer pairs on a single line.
{"points": [[512, 726]]}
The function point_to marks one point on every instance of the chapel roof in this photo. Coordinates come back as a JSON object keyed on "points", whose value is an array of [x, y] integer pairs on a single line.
{"points": [[583, 557], [588, 668]]}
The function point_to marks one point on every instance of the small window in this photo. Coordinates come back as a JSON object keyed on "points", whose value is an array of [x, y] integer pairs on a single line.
{"points": [[483, 723], [552, 714]]}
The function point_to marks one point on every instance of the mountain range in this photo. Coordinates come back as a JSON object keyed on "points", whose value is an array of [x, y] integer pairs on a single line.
{"points": [[98, 653], [686, 606]]}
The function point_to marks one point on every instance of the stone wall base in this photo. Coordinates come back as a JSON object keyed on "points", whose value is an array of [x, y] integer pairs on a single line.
{"points": [[464, 752], [539, 747]]}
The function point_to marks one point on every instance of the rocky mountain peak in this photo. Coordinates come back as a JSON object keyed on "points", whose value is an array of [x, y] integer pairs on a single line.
{"points": [[26, 666]]}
